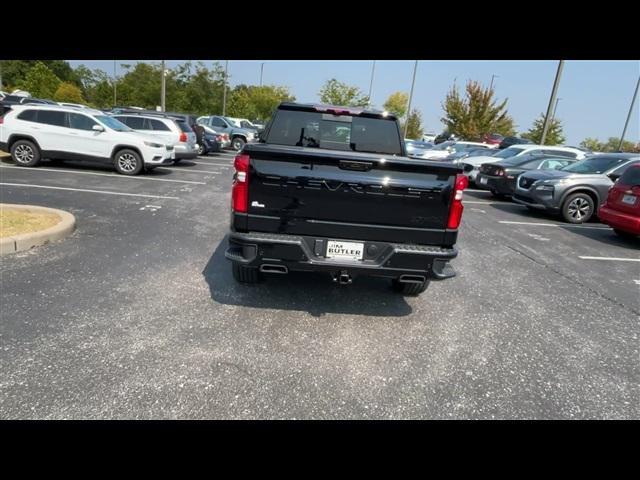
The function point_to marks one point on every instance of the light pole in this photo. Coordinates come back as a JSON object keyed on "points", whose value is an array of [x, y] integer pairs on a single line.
{"points": [[556, 83], [261, 72], [373, 70], [553, 116], [492, 77], [115, 81], [164, 89], [626, 124], [413, 82], [224, 92]]}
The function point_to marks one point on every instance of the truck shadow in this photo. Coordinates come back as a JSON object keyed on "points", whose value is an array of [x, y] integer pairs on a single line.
{"points": [[314, 293]]}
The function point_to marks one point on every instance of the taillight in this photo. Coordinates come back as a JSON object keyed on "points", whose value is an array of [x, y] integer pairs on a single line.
{"points": [[240, 189], [183, 137], [455, 212], [1, 120]]}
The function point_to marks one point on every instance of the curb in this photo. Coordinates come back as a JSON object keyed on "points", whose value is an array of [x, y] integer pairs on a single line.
{"points": [[19, 243]]}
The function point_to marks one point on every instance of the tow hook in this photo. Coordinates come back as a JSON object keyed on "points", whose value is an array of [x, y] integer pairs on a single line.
{"points": [[342, 277]]}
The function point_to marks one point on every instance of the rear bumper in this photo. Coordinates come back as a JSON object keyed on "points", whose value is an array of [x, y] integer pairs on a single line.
{"points": [[498, 184], [621, 221], [305, 253]]}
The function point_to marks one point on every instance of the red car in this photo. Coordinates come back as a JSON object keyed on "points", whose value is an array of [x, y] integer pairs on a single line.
{"points": [[492, 139], [621, 210]]}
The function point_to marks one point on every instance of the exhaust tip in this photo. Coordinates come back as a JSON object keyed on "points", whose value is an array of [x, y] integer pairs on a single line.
{"points": [[412, 279], [267, 268]]}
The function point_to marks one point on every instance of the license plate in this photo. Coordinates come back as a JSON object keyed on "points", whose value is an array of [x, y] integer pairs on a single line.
{"points": [[344, 250], [629, 199], [483, 180]]}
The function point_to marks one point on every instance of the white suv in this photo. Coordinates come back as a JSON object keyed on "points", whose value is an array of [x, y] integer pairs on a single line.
{"points": [[168, 129], [33, 132]]}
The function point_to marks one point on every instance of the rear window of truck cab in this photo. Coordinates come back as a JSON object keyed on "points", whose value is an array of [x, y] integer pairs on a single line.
{"points": [[335, 132]]}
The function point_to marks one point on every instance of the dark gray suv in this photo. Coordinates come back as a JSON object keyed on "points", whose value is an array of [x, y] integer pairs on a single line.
{"points": [[575, 191]]}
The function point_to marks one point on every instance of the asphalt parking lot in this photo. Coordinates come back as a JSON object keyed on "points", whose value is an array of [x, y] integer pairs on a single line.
{"points": [[136, 315]]}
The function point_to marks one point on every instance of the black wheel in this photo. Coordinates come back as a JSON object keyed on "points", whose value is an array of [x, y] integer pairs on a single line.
{"points": [[577, 208], [202, 150], [499, 196], [25, 153], [238, 143], [410, 289], [128, 162], [243, 274], [625, 235], [176, 161]]}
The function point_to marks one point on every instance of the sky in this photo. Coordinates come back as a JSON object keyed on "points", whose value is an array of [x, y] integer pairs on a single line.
{"points": [[594, 95]]}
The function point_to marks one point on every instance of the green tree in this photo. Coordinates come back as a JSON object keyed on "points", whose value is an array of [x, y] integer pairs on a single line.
{"points": [[591, 143], [334, 92], [555, 135], [476, 114], [195, 89], [257, 103], [40, 81], [15, 71], [414, 126], [68, 92], [397, 104]]}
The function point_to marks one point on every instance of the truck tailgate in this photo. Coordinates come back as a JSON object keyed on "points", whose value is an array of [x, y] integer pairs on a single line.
{"points": [[348, 195]]}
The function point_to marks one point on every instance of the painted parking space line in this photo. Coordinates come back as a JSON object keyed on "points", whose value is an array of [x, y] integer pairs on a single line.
{"points": [[77, 172], [106, 192], [191, 170], [476, 191], [537, 224], [613, 259], [480, 202]]}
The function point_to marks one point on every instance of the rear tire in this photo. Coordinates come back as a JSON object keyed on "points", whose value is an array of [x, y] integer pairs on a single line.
{"points": [[128, 162], [499, 196], [176, 161], [578, 208], [25, 153], [244, 274], [625, 235], [238, 143], [201, 150], [410, 289]]}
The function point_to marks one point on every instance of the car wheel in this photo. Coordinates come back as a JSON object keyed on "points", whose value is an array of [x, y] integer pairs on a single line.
{"points": [[625, 235], [25, 153], [238, 143], [410, 289], [499, 196], [128, 162], [201, 150], [577, 208], [176, 161], [244, 274]]}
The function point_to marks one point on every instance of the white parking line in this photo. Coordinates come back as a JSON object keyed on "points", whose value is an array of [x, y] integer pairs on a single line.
{"points": [[477, 202], [137, 177], [554, 225], [188, 170], [106, 192], [614, 259], [476, 191]]}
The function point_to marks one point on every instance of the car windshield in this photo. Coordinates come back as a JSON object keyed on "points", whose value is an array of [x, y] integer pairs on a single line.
{"points": [[593, 165], [112, 123], [508, 152]]}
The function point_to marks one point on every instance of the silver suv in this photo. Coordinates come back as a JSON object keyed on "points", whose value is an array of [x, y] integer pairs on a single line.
{"points": [[239, 136], [170, 130], [575, 191]]}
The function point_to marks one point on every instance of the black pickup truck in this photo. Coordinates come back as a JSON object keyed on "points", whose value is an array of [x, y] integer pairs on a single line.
{"points": [[331, 189]]}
